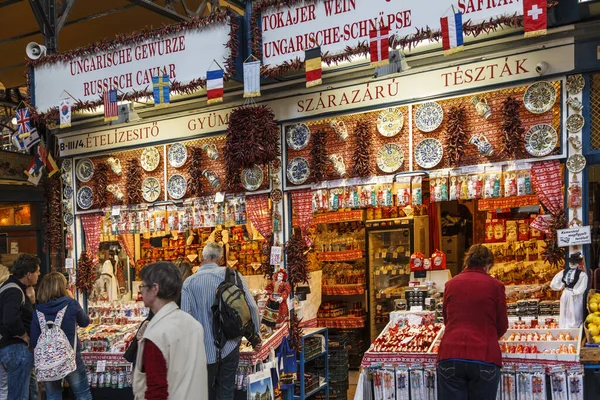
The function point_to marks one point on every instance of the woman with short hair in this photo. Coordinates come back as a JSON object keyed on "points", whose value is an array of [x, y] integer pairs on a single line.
{"points": [[475, 317], [52, 297]]}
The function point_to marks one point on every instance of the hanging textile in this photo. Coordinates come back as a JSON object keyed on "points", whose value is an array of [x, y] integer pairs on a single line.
{"points": [[546, 179], [92, 228], [126, 241], [302, 211], [259, 214]]}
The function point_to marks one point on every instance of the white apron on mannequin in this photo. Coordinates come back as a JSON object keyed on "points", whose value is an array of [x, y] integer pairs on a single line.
{"points": [[573, 283], [108, 281]]}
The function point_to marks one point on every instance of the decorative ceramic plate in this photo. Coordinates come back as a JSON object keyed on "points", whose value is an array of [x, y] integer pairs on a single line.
{"points": [[575, 123], [66, 165], [539, 97], [150, 189], [68, 219], [84, 197], [390, 158], [576, 163], [390, 122], [276, 196], [298, 170], [252, 178], [297, 136], [177, 155], [84, 170], [68, 191], [150, 159], [540, 140], [429, 116], [429, 153], [176, 186], [575, 84]]}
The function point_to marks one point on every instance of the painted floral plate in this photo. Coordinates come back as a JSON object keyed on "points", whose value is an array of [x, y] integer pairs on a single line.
{"points": [[429, 153], [575, 84], [84, 197], [429, 116], [298, 170], [297, 136], [539, 97], [84, 170], [576, 163], [390, 122], [177, 155], [65, 165], [176, 186], [150, 190], [390, 158], [252, 178], [68, 191], [575, 123], [68, 219], [540, 140], [150, 159]]}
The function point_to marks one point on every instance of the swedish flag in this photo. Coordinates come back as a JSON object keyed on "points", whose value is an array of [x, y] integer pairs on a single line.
{"points": [[161, 89]]}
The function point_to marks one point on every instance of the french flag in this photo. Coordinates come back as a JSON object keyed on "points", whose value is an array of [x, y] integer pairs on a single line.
{"points": [[452, 33]]}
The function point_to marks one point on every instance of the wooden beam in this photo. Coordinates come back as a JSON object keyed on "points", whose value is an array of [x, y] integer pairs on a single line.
{"points": [[165, 12]]}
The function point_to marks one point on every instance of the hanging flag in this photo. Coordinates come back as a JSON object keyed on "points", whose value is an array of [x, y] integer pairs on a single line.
{"points": [[65, 113], [25, 141], [214, 86], [312, 63], [23, 120], [379, 46], [452, 33], [47, 159], [34, 171], [162, 95], [535, 19], [252, 79], [111, 108]]}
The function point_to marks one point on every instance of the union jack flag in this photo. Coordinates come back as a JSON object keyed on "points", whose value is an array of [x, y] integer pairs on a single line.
{"points": [[23, 120]]}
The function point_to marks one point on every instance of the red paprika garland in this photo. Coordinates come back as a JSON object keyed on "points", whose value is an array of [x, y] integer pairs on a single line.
{"points": [[86, 274], [297, 261]]}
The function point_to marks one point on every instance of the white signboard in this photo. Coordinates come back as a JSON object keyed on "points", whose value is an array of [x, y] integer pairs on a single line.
{"points": [[574, 236], [335, 24], [184, 56]]}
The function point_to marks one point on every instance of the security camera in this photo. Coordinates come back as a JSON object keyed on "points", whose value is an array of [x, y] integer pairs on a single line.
{"points": [[541, 68], [35, 51]]}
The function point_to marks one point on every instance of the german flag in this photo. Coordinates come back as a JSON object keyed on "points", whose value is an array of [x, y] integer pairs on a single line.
{"points": [[312, 61]]}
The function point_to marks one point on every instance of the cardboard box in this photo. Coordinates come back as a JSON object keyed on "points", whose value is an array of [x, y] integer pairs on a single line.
{"points": [[454, 247]]}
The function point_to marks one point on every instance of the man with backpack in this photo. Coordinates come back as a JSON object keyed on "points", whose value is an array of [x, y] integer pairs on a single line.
{"points": [[219, 299], [16, 312]]}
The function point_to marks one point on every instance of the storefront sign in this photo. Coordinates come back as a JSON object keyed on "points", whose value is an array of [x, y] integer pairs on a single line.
{"points": [[337, 24], [185, 56], [574, 236]]}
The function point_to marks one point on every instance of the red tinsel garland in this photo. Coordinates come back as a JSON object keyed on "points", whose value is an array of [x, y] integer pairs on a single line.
{"points": [[227, 16]]}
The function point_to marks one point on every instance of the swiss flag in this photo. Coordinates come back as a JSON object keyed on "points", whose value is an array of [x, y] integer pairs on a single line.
{"points": [[535, 19]]}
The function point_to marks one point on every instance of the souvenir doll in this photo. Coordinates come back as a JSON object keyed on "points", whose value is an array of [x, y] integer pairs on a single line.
{"points": [[573, 282], [278, 290]]}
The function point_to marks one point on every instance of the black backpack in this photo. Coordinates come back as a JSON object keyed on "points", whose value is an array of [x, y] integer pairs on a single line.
{"points": [[232, 318]]}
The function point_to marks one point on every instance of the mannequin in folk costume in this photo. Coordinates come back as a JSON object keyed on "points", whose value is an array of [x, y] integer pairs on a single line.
{"points": [[573, 282], [278, 290], [107, 286]]}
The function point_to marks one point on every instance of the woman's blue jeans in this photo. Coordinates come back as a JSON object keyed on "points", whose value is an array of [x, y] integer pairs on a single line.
{"points": [[77, 381]]}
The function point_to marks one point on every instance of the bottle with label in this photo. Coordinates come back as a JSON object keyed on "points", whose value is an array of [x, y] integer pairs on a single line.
{"points": [[128, 377], [121, 379], [99, 379], [94, 375], [107, 375], [114, 378]]}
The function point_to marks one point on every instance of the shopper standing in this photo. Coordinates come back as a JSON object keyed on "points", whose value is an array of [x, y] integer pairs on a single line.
{"points": [[171, 362], [17, 298], [197, 299], [475, 317], [53, 296]]}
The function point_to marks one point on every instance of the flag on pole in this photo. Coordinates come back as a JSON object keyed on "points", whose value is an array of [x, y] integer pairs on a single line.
{"points": [[65, 113], [214, 86], [162, 91], [47, 159], [452, 33], [535, 18], [25, 141], [23, 120], [312, 63], [379, 46], [34, 171], [252, 79], [111, 108]]}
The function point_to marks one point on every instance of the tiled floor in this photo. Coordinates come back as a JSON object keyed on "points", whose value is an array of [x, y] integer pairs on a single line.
{"points": [[352, 381]]}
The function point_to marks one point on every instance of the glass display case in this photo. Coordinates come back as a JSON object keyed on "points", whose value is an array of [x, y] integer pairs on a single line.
{"points": [[389, 247]]}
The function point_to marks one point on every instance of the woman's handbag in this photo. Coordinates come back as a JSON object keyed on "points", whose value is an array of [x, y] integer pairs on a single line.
{"points": [[131, 352]]}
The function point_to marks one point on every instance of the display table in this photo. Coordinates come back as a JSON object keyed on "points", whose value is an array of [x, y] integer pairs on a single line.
{"points": [[253, 357]]}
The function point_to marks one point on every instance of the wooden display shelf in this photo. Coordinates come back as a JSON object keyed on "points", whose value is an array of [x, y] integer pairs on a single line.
{"points": [[343, 290], [348, 255], [342, 322]]}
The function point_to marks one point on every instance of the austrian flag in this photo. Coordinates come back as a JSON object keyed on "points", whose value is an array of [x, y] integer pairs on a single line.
{"points": [[452, 33], [535, 20], [379, 46]]}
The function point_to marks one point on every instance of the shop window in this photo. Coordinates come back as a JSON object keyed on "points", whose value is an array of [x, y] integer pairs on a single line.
{"points": [[15, 215], [595, 112]]}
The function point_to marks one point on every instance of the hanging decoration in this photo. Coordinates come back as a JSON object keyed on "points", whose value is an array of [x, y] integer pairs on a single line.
{"points": [[296, 251], [52, 214], [457, 136], [535, 17], [252, 78], [92, 226], [252, 139], [362, 150], [195, 182], [161, 90], [452, 33], [86, 275], [100, 184], [296, 332], [312, 65], [214, 86], [512, 128], [379, 48], [318, 156], [551, 253], [133, 182]]}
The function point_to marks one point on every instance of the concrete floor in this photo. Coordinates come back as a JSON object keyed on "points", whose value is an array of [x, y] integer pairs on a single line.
{"points": [[352, 381]]}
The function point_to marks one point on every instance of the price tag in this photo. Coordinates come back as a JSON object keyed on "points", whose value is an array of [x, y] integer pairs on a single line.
{"points": [[385, 271], [116, 211], [219, 197], [383, 254], [100, 365], [394, 272], [378, 296], [68, 263], [276, 252]]}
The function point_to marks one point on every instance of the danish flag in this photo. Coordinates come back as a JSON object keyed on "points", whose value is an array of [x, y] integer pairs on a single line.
{"points": [[379, 46]]}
